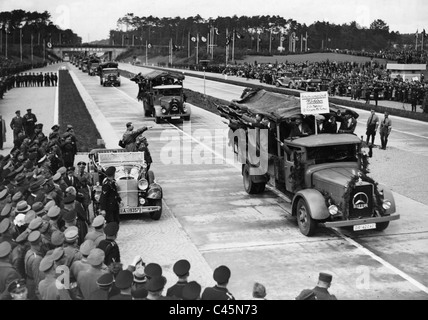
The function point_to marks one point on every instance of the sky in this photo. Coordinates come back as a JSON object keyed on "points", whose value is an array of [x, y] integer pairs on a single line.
{"points": [[93, 19]]}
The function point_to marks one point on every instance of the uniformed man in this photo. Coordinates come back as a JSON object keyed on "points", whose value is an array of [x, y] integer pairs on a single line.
{"points": [[17, 125], [106, 288], [79, 265], [219, 292], [123, 282], [130, 136], [321, 290], [97, 234], [192, 291], [109, 245], [29, 122], [110, 199], [18, 290], [53, 215], [155, 287], [181, 269], [87, 279], [72, 252], [8, 273], [33, 257], [48, 289]]}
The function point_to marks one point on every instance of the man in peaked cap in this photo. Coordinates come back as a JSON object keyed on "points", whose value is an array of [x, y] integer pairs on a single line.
{"points": [[87, 279], [110, 199], [35, 224], [48, 289], [18, 289], [38, 208], [29, 122], [70, 246], [6, 231], [155, 287], [109, 245], [97, 234], [17, 124], [3, 194], [152, 270], [33, 257], [53, 215], [105, 285], [8, 273], [321, 289], [79, 265], [219, 292], [5, 212], [22, 207], [192, 291], [123, 282], [57, 241], [181, 269]]}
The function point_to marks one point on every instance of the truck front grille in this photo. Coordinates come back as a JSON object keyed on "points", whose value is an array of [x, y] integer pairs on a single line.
{"points": [[361, 202]]}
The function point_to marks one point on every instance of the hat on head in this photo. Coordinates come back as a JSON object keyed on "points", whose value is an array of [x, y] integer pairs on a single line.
{"points": [[71, 169], [259, 290], [124, 279], [42, 159], [20, 178], [4, 225], [3, 194], [111, 229], [19, 220], [5, 249], [28, 109], [38, 207], [221, 274], [22, 207], [81, 163], [298, 116], [54, 211], [191, 291], [71, 234], [110, 171], [18, 111], [34, 236], [56, 177], [28, 165], [57, 238], [153, 270], [35, 224], [128, 124], [17, 286], [46, 264], [6, 210], [69, 199], [55, 127], [34, 187], [32, 156], [19, 169], [96, 257], [140, 293], [181, 268], [17, 196], [86, 247], [69, 215], [105, 280], [39, 125], [29, 216], [69, 126], [22, 237], [156, 284], [57, 254], [325, 277], [139, 275], [98, 221], [65, 135]]}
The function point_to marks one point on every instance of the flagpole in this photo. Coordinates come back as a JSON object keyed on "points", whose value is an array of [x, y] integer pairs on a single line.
{"points": [[32, 56], [227, 46], [188, 45], [197, 48], [301, 43], [233, 46], [20, 42], [306, 42], [146, 53], [270, 41]]}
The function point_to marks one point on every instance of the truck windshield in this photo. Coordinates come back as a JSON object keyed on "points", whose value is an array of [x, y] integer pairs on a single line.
{"points": [[170, 92], [336, 153]]}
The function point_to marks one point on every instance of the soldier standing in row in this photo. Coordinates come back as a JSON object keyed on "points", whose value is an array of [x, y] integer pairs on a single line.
{"points": [[110, 199], [29, 122], [17, 125]]}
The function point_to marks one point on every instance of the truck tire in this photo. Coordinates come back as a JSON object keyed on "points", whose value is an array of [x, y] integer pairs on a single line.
{"points": [[306, 224], [249, 186], [382, 225], [157, 120], [156, 214]]}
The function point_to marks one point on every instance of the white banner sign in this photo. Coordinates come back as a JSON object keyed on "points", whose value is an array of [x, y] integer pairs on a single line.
{"points": [[314, 102]]}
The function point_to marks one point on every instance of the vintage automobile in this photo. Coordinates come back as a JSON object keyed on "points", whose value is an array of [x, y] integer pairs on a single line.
{"points": [[135, 184], [109, 74], [325, 175], [288, 80], [93, 65], [310, 85], [162, 95]]}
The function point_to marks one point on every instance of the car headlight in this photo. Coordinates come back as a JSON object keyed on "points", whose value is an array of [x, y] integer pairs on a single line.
{"points": [[163, 110], [333, 210], [143, 184], [386, 204]]}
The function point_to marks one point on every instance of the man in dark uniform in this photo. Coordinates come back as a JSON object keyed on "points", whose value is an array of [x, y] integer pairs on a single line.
{"points": [[17, 125], [219, 291], [106, 288], [29, 122], [110, 199], [320, 291], [109, 245], [181, 269], [123, 282], [33, 257]]}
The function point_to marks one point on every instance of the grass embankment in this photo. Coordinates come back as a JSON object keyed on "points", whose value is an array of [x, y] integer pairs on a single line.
{"points": [[72, 110]]}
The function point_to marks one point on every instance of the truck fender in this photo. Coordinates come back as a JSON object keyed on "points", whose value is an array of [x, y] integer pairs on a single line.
{"points": [[387, 195], [315, 202]]}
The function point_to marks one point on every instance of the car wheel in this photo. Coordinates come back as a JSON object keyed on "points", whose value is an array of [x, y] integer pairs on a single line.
{"points": [[249, 186], [382, 225], [306, 224], [156, 214]]}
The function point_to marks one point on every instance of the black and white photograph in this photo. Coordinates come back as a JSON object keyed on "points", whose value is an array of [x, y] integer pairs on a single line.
{"points": [[245, 151]]}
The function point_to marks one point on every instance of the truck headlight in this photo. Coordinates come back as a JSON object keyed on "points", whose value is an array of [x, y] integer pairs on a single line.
{"points": [[333, 210], [386, 204], [143, 184]]}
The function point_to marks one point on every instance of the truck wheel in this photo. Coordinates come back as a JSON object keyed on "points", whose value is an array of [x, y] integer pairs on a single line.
{"points": [[186, 118], [306, 224], [249, 186], [156, 214], [157, 120], [382, 225]]}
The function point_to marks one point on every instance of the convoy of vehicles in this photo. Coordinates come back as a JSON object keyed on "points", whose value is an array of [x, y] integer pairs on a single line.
{"points": [[324, 174]]}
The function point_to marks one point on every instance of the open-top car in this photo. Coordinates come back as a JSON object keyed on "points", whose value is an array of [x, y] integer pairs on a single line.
{"points": [[324, 174], [135, 184], [288, 80]]}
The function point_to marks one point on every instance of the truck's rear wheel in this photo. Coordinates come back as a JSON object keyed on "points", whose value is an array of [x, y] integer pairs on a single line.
{"points": [[306, 224], [250, 186], [382, 225]]}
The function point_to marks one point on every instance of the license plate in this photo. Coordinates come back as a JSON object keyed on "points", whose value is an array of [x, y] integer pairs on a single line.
{"points": [[175, 118], [365, 227], [131, 210]]}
